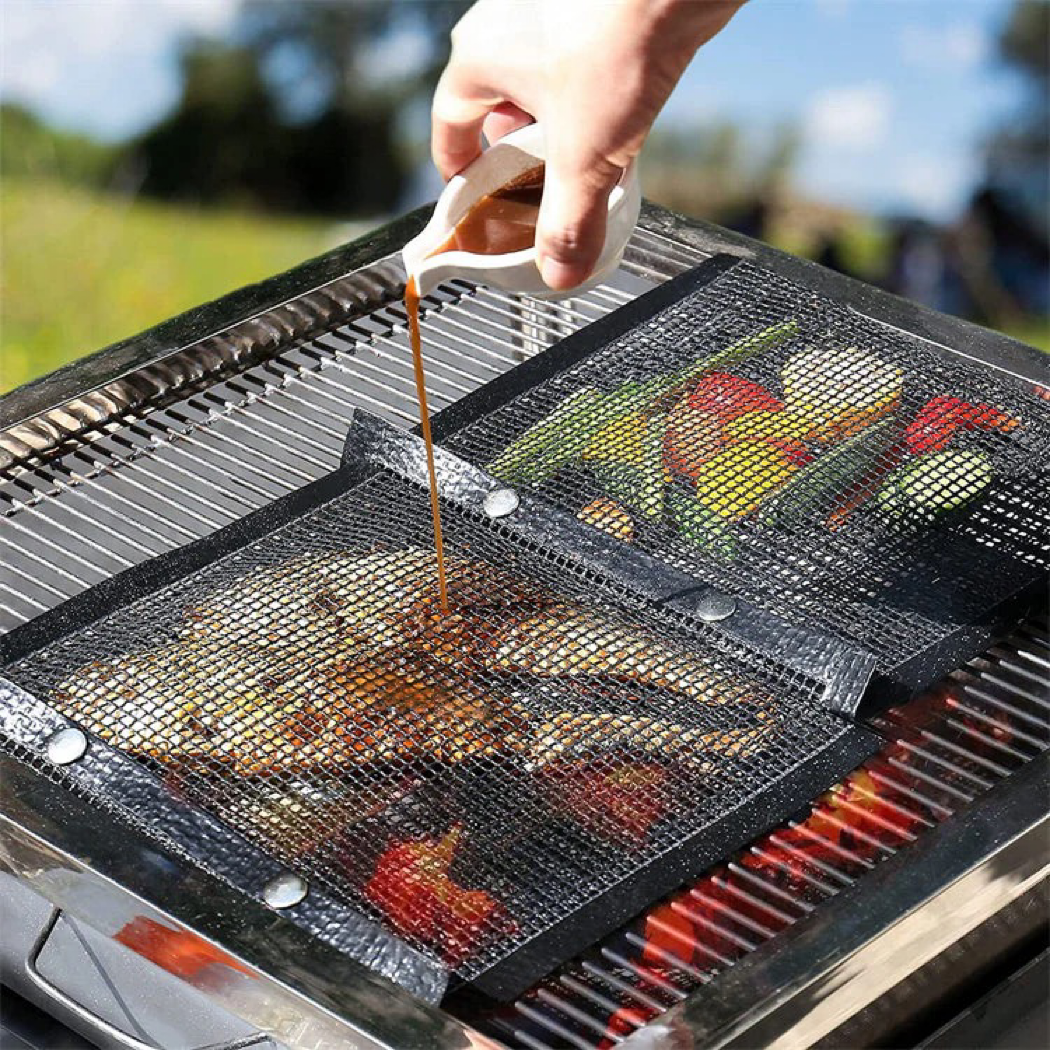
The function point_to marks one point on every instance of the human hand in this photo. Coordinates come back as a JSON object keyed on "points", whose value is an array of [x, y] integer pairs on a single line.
{"points": [[595, 72]]}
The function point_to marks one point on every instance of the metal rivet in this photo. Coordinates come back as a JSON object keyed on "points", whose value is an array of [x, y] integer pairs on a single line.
{"points": [[66, 746], [285, 891], [714, 606], [501, 502]]}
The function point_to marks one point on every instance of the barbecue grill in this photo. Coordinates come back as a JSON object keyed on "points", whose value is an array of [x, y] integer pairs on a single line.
{"points": [[153, 474]]}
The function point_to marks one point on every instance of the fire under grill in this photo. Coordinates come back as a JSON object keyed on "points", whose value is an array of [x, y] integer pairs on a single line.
{"points": [[942, 750], [504, 842]]}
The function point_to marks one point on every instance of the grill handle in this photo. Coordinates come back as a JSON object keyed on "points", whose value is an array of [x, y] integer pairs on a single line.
{"points": [[115, 1036]]}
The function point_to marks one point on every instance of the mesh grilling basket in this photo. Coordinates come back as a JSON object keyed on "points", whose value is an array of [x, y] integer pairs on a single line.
{"points": [[469, 795], [776, 444]]}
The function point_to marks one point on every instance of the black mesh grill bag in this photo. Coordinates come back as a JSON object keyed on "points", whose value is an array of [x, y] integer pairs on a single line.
{"points": [[784, 448], [466, 791]]}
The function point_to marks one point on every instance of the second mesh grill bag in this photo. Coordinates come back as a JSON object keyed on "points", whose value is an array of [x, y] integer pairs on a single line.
{"points": [[781, 446], [479, 792]]}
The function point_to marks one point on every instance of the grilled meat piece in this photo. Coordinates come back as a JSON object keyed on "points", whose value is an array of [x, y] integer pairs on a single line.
{"points": [[288, 606], [196, 702], [565, 640], [355, 602], [570, 732], [409, 708], [126, 703], [496, 621], [344, 659], [263, 716]]}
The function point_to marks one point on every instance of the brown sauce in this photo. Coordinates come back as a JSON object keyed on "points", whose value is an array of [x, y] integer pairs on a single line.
{"points": [[501, 222], [412, 308]]}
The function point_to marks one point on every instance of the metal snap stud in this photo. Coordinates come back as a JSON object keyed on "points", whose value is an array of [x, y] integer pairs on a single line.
{"points": [[285, 891], [501, 502], [714, 606], [66, 746]]}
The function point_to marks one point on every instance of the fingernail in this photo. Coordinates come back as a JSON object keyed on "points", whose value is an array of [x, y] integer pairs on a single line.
{"points": [[557, 275]]}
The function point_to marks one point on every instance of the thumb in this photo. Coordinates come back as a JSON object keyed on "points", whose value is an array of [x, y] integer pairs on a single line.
{"points": [[570, 231]]}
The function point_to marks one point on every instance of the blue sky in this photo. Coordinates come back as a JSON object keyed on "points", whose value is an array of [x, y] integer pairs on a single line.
{"points": [[893, 96]]}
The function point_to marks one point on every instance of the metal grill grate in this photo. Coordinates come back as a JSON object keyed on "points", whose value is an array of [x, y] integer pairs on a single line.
{"points": [[138, 483], [779, 446]]}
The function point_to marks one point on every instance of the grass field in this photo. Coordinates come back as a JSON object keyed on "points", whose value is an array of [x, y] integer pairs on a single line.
{"points": [[81, 270]]}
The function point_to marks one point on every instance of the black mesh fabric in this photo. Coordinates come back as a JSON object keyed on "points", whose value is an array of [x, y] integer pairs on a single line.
{"points": [[469, 779], [786, 449]]}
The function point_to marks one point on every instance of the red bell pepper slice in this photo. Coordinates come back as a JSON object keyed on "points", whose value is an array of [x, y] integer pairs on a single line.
{"points": [[413, 887], [942, 417], [728, 396]]}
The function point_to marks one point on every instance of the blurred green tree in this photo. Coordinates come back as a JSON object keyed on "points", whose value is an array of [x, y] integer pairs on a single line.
{"points": [[1019, 152], [30, 148], [297, 111]]}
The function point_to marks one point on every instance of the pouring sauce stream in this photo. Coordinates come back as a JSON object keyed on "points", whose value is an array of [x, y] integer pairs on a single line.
{"points": [[412, 308], [501, 222]]}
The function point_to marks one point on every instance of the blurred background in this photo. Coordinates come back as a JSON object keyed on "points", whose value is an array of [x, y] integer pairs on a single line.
{"points": [[155, 154]]}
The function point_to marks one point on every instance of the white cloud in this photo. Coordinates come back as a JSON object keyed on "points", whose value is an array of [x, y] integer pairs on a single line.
{"points": [[959, 46], [98, 63], [933, 185], [852, 118], [836, 9]]}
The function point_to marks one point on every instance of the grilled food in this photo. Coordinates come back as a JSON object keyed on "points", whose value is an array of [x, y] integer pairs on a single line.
{"points": [[262, 718], [289, 606], [343, 660], [355, 602], [413, 709], [149, 719], [191, 702], [565, 640], [587, 733]]}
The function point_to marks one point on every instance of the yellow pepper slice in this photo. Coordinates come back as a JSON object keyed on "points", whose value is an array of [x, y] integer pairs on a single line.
{"points": [[735, 481], [620, 441]]}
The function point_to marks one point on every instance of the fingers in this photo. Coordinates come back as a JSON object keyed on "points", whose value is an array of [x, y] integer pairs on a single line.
{"points": [[571, 228], [504, 119], [456, 122]]}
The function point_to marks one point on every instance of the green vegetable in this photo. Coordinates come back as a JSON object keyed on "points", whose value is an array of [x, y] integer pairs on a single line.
{"points": [[829, 476], [702, 527], [743, 349], [574, 434], [934, 483], [561, 437], [639, 487], [518, 460]]}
